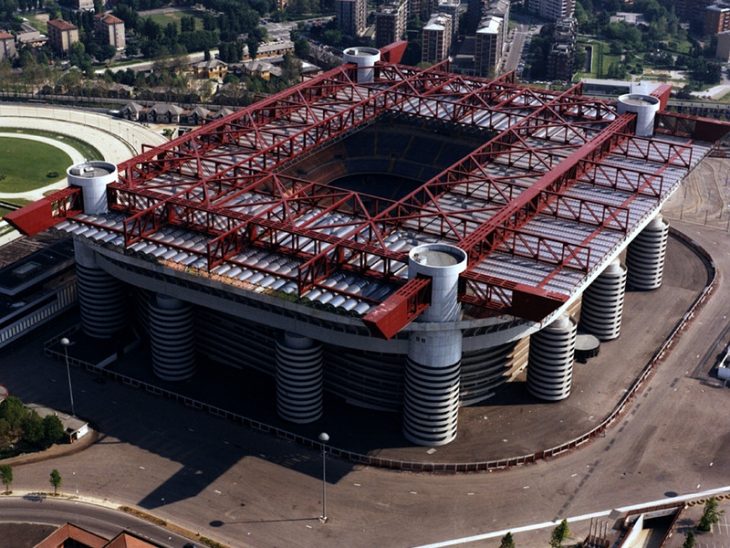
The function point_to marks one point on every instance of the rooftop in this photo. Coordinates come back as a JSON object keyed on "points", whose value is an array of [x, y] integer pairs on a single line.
{"points": [[60, 24], [558, 188]]}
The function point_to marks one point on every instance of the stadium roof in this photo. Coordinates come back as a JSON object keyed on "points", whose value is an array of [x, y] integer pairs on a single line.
{"points": [[540, 207]]}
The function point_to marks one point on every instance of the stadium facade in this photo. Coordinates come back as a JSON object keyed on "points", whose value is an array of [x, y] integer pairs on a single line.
{"points": [[406, 239]]}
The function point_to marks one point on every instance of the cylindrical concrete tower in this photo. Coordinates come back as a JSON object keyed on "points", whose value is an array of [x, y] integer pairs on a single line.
{"points": [[645, 107], [365, 59], [645, 256], [172, 338], [93, 177], [101, 296], [299, 379], [603, 303], [550, 371], [433, 367]]}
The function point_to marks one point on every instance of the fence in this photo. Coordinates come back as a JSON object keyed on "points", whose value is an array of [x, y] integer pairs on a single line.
{"points": [[415, 466]]}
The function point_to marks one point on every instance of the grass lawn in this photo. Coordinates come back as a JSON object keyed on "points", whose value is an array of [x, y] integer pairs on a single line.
{"points": [[163, 19], [87, 151], [39, 22], [26, 164]]}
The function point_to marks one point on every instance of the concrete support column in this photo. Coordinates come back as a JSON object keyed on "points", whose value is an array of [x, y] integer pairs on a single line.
{"points": [[172, 338], [433, 366], [101, 296], [299, 379], [603, 303], [645, 256], [550, 369]]}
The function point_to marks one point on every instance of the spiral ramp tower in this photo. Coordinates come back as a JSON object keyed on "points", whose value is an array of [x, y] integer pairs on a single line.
{"points": [[645, 256], [172, 338], [550, 369], [433, 366], [102, 298], [299, 379], [603, 303]]}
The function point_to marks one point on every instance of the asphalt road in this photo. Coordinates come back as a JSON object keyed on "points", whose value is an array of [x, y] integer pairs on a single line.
{"points": [[246, 488], [103, 521], [515, 51]]}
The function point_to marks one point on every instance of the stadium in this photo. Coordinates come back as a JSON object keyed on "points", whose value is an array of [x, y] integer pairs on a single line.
{"points": [[405, 239]]}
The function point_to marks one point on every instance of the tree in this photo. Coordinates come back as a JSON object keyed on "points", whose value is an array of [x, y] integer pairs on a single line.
{"points": [[6, 476], [710, 516], [689, 540], [53, 430], [13, 411], [55, 480], [33, 433], [507, 541], [560, 533]]}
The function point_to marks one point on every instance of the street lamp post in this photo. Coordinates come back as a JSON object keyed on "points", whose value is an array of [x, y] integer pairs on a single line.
{"points": [[324, 438], [65, 343]]}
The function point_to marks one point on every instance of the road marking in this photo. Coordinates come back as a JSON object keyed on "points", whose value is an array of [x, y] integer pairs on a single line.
{"points": [[584, 517]]}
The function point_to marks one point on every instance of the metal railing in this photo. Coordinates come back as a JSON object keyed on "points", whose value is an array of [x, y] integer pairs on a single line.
{"points": [[416, 466]]}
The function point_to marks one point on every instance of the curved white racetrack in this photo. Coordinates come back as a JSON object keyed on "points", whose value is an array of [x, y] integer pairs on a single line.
{"points": [[116, 139]]}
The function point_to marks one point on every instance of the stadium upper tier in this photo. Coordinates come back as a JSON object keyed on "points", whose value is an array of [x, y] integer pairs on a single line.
{"points": [[557, 186]]}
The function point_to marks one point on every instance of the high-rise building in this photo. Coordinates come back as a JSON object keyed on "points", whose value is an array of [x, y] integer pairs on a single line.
{"points": [[552, 9], [722, 51], [61, 35], [436, 38], [488, 47], [390, 23], [561, 58], [111, 29], [500, 9], [452, 8], [7, 46], [351, 16], [717, 19]]}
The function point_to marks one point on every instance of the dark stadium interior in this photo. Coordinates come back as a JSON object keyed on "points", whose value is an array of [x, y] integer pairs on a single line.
{"points": [[389, 159]]}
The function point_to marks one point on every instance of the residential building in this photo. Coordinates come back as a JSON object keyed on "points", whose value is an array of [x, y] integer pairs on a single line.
{"points": [[61, 35], [7, 46], [552, 9], [499, 9], [83, 5], [488, 47], [452, 8], [351, 16], [390, 23], [212, 69], [692, 9], [414, 8], [722, 51], [436, 38], [111, 29], [561, 58], [270, 50], [717, 19]]}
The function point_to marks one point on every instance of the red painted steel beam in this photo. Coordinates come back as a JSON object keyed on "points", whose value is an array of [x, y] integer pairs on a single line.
{"points": [[393, 53], [530, 202], [401, 308], [46, 212]]}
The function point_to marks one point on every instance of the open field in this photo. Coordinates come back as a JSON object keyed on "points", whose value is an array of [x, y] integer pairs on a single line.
{"points": [[39, 21], [172, 15], [89, 152], [25, 164]]}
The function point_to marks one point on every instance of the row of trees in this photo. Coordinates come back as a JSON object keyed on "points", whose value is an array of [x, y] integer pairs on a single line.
{"points": [[6, 477], [710, 516], [22, 429]]}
